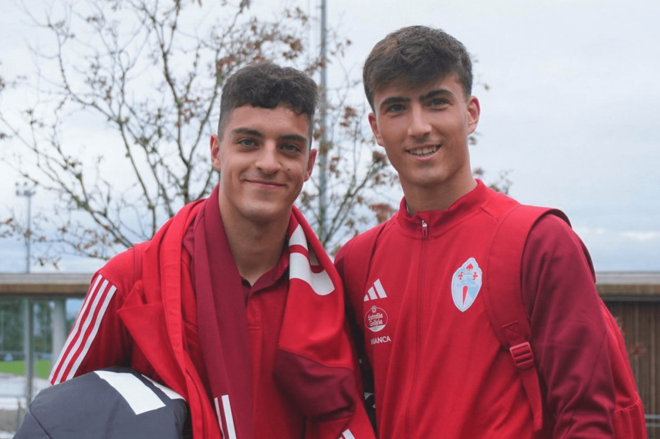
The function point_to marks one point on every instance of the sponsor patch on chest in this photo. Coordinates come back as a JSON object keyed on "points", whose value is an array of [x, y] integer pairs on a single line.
{"points": [[375, 319], [465, 284]]}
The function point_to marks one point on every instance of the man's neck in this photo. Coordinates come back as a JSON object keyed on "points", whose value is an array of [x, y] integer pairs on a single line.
{"points": [[256, 248], [423, 199]]}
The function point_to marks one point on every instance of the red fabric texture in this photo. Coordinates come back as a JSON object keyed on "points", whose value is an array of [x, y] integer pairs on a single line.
{"points": [[314, 363], [440, 371], [629, 420], [166, 350], [222, 320], [152, 325], [502, 294]]}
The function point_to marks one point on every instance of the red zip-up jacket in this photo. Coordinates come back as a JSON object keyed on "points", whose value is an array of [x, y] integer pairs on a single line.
{"points": [[158, 336], [439, 370]]}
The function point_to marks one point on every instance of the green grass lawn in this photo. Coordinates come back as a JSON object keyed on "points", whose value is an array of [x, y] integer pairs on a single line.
{"points": [[18, 367]]}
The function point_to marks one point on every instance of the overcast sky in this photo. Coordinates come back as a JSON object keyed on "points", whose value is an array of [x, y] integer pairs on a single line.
{"points": [[572, 111]]}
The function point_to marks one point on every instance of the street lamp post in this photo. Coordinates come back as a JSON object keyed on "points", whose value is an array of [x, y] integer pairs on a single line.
{"points": [[323, 146], [28, 313]]}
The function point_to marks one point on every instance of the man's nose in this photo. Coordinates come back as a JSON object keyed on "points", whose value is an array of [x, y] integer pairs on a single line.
{"points": [[419, 124], [268, 161]]}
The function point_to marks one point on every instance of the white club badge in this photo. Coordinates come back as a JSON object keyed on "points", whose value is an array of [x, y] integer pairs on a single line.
{"points": [[465, 284]]}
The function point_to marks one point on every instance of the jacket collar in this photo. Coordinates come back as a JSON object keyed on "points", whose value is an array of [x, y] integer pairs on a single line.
{"points": [[433, 223]]}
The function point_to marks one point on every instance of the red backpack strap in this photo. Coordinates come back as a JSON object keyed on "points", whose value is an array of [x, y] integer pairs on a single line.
{"points": [[503, 296], [356, 267], [357, 260]]}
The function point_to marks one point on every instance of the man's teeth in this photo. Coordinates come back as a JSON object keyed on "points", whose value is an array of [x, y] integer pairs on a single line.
{"points": [[424, 151]]}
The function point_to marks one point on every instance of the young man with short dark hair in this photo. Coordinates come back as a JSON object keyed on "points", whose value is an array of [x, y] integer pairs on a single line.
{"points": [[439, 369], [234, 304]]}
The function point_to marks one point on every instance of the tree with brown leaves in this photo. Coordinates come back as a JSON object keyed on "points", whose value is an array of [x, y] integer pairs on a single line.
{"points": [[126, 94]]}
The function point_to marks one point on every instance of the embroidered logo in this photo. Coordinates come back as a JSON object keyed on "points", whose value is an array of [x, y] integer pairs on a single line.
{"points": [[465, 284], [375, 292], [375, 319]]}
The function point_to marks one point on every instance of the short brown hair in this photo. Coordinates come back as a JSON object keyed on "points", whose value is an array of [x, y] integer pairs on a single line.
{"points": [[415, 56], [267, 85]]}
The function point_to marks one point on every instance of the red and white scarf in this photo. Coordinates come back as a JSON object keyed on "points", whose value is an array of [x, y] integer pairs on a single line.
{"points": [[314, 364]]}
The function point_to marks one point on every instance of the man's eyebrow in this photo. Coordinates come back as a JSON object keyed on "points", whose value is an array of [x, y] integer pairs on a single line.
{"points": [[435, 93], [249, 131], [294, 138], [393, 100]]}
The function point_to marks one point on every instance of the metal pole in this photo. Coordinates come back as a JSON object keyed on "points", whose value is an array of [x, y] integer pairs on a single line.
{"points": [[58, 323], [28, 347], [323, 147], [28, 237], [28, 311]]}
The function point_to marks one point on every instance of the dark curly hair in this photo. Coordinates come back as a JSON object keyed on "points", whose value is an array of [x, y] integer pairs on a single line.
{"points": [[268, 85], [415, 56]]}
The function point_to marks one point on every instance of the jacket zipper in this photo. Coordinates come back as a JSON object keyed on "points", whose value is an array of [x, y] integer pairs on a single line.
{"points": [[418, 339]]}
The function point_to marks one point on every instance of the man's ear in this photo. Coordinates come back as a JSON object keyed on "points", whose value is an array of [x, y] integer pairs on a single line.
{"points": [[374, 127], [310, 163], [215, 152], [473, 109]]}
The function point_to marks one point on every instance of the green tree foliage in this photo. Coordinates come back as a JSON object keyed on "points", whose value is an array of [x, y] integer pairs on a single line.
{"points": [[11, 325]]}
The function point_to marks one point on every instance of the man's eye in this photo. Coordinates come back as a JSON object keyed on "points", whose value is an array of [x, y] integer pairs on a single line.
{"points": [[396, 108], [290, 147], [438, 102], [247, 142]]}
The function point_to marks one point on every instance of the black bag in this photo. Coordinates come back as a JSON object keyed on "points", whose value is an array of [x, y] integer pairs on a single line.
{"points": [[112, 403]]}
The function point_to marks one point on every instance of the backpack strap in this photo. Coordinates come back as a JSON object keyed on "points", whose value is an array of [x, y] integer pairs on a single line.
{"points": [[503, 296], [357, 264], [359, 254]]}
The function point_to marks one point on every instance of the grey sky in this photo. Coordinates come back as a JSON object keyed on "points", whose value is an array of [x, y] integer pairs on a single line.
{"points": [[572, 111]]}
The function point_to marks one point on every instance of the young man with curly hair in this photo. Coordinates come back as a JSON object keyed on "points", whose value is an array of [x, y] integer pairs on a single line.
{"points": [[233, 303]]}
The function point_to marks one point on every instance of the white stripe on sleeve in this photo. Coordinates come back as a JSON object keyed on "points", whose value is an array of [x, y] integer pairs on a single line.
{"points": [[96, 322], [79, 335], [62, 362]]}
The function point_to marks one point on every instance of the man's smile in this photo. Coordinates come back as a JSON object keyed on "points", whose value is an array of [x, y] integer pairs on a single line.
{"points": [[265, 184], [423, 151]]}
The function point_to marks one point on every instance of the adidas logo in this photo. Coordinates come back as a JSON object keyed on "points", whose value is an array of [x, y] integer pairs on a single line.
{"points": [[375, 292]]}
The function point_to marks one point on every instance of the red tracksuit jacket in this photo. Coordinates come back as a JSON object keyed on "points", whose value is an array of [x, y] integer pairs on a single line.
{"points": [[118, 325], [439, 370]]}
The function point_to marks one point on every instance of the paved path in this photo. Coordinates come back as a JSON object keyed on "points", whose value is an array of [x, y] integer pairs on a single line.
{"points": [[12, 389]]}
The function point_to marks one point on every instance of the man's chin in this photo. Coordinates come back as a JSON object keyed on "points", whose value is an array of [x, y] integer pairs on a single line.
{"points": [[267, 214]]}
